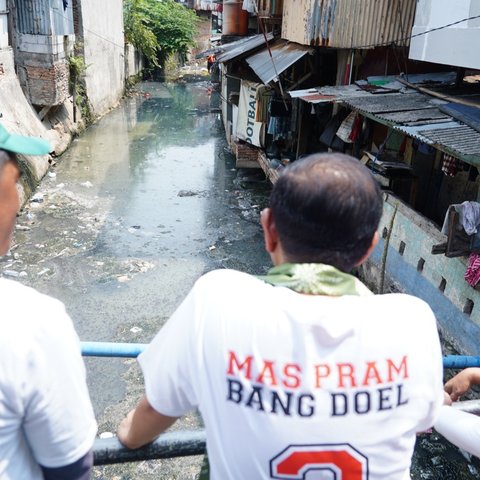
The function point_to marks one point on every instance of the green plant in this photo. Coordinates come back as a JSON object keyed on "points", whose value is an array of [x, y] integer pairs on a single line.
{"points": [[159, 28], [77, 70], [138, 31]]}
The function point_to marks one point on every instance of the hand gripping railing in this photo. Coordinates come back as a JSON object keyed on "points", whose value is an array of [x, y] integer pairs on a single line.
{"points": [[107, 451], [193, 442]]}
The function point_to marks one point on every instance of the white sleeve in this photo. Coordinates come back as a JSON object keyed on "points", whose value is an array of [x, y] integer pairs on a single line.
{"points": [[460, 428], [167, 361], [59, 422], [430, 387]]}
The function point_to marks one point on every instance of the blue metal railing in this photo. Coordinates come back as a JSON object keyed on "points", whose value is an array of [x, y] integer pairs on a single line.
{"points": [[111, 349], [108, 451], [132, 350]]}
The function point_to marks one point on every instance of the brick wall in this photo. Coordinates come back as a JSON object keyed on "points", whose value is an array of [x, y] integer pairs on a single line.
{"points": [[46, 85], [247, 155]]}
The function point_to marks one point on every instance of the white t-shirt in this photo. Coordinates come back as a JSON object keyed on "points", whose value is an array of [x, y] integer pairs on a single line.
{"points": [[288, 383], [45, 412]]}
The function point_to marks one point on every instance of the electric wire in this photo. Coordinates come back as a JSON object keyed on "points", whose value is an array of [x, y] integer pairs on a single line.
{"points": [[92, 32], [371, 45], [409, 37]]}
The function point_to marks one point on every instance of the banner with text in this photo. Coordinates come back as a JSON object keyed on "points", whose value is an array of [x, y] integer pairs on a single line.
{"points": [[247, 128]]}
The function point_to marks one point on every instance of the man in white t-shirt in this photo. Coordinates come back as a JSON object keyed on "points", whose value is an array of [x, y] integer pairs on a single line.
{"points": [[302, 373], [47, 425]]}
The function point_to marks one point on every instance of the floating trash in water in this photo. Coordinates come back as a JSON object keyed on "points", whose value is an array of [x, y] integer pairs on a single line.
{"points": [[187, 193], [37, 198], [136, 329], [11, 273], [87, 184]]}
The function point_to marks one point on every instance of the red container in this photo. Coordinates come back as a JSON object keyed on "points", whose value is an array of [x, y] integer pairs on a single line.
{"points": [[235, 19]]}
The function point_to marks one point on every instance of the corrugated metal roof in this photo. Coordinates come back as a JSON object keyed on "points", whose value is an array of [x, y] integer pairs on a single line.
{"points": [[461, 138], [394, 102], [33, 17], [284, 55], [44, 17], [232, 50], [337, 93], [347, 23], [415, 114], [416, 117]]}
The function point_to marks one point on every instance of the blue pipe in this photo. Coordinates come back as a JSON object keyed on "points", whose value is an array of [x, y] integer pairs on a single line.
{"points": [[132, 350], [111, 349], [460, 361]]}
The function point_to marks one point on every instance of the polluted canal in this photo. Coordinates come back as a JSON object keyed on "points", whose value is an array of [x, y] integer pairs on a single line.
{"points": [[141, 205]]}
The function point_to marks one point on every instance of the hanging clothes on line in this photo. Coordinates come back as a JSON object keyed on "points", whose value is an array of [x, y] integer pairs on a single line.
{"points": [[264, 95], [472, 275], [279, 124], [469, 213], [450, 165]]}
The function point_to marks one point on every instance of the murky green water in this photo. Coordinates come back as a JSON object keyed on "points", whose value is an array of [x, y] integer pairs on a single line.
{"points": [[140, 206]]}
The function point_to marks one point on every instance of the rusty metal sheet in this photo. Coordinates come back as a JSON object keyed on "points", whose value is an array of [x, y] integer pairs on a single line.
{"points": [[348, 23], [284, 54]]}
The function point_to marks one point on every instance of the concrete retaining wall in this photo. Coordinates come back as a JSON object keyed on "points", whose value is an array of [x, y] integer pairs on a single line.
{"points": [[18, 116], [101, 26], [412, 268], [134, 63]]}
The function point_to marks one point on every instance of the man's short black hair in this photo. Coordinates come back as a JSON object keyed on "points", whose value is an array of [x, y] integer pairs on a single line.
{"points": [[326, 209]]}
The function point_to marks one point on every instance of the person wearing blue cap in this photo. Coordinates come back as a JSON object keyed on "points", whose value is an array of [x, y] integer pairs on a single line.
{"points": [[47, 425]]}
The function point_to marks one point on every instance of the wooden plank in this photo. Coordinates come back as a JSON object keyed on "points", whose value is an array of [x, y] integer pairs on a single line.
{"points": [[271, 174]]}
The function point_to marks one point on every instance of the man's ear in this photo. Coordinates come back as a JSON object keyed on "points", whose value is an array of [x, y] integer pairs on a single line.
{"points": [[270, 233], [373, 244]]}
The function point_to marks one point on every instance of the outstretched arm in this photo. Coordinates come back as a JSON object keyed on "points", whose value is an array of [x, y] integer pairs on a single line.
{"points": [[462, 382], [460, 428], [143, 425]]}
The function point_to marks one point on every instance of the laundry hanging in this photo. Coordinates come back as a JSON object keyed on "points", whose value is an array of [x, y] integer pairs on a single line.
{"points": [[472, 275], [450, 165]]}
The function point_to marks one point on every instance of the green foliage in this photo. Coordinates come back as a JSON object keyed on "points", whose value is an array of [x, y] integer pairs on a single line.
{"points": [[159, 28], [138, 30], [78, 69]]}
